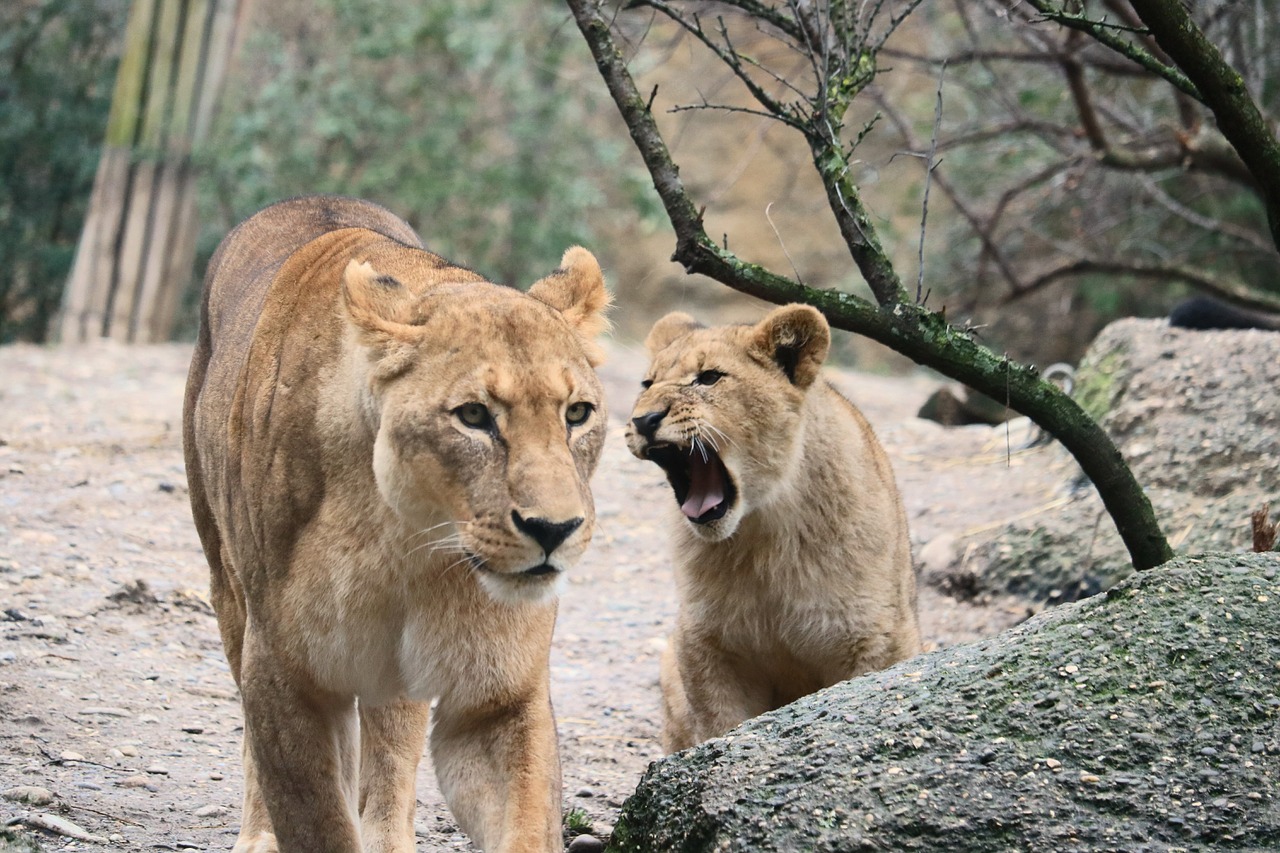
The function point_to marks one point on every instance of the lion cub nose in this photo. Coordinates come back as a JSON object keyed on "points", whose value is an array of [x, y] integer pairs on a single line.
{"points": [[549, 534], [647, 424]]}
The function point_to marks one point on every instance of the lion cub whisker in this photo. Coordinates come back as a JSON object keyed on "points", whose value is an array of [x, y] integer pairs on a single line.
{"points": [[719, 433]]}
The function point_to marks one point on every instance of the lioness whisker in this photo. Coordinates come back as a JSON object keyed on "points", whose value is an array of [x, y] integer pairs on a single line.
{"points": [[424, 531], [434, 546]]}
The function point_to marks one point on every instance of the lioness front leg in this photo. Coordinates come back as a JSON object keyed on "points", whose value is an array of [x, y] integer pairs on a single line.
{"points": [[499, 770], [305, 754], [255, 825], [391, 741]]}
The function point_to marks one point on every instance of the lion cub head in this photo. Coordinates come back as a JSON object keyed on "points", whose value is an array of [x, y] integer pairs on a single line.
{"points": [[721, 411], [488, 415]]}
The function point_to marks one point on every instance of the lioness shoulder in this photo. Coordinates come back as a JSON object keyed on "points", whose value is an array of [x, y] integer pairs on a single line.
{"points": [[792, 555], [389, 461]]}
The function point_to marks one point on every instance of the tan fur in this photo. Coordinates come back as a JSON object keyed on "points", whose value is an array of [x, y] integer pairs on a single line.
{"points": [[364, 550], [807, 579]]}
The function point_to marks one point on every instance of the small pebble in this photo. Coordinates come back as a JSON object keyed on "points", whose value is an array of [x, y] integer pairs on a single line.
{"points": [[68, 755], [29, 794], [585, 844], [158, 770], [138, 782], [212, 811], [89, 786], [584, 792], [129, 749], [216, 777], [193, 730]]}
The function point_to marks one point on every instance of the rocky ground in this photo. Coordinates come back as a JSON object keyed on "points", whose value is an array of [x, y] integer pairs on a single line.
{"points": [[115, 699]]}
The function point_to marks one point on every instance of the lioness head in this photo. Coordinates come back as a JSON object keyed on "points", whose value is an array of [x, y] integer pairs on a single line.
{"points": [[721, 410], [488, 414]]}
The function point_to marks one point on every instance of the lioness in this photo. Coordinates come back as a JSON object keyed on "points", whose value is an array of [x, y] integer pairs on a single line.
{"points": [[388, 459], [792, 558]]}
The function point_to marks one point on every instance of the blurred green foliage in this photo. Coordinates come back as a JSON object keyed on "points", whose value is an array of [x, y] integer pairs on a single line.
{"points": [[478, 121], [57, 65], [466, 118]]}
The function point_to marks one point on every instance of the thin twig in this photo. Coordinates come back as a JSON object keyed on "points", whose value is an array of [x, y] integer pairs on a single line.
{"points": [[799, 278], [928, 180]]}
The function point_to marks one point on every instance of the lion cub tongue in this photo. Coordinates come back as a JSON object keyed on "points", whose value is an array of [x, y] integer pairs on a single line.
{"points": [[706, 487]]}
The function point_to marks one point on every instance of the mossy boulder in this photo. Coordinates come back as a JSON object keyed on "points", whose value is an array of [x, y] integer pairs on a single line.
{"points": [[1143, 719], [1196, 416]]}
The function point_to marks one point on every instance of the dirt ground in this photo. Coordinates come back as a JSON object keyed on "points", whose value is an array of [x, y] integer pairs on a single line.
{"points": [[114, 694]]}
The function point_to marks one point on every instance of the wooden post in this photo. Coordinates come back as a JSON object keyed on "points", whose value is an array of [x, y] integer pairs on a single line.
{"points": [[136, 250]]}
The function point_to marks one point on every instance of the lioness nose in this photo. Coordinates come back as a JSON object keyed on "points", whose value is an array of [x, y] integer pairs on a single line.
{"points": [[647, 424], [549, 534]]}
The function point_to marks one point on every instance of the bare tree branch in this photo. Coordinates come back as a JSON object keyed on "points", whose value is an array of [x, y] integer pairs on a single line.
{"points": [[907, 327], [1167, 273], [1222, 89], [1110, 35]]}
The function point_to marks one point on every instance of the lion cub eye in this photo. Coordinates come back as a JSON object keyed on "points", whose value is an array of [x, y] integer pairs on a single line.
{"points": [[474, 415], [578, 413], [708, 377]]}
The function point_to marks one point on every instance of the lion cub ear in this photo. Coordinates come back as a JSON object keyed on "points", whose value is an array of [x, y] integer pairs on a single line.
{"points": [[796, 338], [577, 291], [674, 325]]}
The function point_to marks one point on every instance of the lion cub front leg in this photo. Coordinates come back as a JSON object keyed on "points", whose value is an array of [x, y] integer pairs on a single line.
{"points": [[499, 770], [391, 741], [705, 691]]}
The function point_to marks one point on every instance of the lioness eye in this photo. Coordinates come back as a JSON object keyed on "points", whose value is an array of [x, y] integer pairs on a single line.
{"points": [[474, 415], [578, 413], [708, 377]]}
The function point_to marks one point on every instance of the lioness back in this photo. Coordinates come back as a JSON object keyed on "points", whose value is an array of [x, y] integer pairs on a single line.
{"points": [[792, 555], [389, 460]]}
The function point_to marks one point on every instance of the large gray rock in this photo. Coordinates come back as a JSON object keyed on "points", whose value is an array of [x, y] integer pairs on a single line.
{"points": [[1197, 417], [1140, 720]]}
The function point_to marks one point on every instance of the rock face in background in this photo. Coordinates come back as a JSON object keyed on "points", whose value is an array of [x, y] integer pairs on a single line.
{"points": [[1143, 719], [1196, 415]]}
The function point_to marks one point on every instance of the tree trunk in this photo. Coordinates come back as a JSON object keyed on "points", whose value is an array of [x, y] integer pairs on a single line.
{"points": [[136, 250]]}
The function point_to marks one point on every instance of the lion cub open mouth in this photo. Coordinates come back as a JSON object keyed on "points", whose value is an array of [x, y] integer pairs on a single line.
{"points": [[702, 484]]}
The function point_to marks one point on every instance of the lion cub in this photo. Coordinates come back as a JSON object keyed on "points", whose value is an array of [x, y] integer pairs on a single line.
{"points": [[792, 558]]}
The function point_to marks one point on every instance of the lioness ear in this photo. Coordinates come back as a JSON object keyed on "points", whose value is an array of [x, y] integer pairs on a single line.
{"points": [[796, 338], [379, 305], [577, 291], [381, 310], [669, 328]]}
